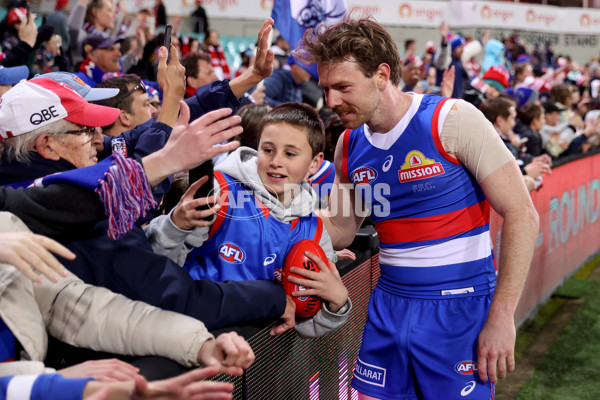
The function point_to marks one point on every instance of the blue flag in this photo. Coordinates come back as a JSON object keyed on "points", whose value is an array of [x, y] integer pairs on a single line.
{"points": [[293, 17]]}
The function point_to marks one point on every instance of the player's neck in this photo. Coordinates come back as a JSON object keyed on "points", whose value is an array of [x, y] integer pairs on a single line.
{"points": [[394, 105]]}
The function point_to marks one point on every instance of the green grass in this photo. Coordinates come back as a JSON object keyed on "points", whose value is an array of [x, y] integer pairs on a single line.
{"points": [[574, 289], [569, 371], [530, 329]]}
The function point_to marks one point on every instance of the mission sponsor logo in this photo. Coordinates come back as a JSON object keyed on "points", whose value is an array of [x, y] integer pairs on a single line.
{"points": [[416, 166], [232, 253], [363, 175], [466, 367]]}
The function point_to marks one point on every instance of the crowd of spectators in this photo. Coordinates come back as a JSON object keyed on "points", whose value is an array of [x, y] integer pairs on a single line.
{"points": [[539, 101], [94, 83]]}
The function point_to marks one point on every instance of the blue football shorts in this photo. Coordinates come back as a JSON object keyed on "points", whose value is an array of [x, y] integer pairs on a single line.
{"points": [[417, 348]]}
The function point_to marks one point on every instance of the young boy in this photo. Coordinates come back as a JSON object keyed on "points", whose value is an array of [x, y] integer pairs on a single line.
{"points": [[266, 207]]}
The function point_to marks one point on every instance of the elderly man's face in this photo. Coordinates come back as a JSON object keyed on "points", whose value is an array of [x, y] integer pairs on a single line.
{"points": [[80, 149], [107, 59]]}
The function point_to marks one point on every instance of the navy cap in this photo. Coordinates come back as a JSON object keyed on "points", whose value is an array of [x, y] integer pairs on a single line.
{"points": [[96, 40], [13, 75], [84, 90]]}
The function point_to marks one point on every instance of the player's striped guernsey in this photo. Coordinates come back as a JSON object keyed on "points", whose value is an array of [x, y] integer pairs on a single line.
{"points": [[322, 181], [245, 241], [431, 215]]}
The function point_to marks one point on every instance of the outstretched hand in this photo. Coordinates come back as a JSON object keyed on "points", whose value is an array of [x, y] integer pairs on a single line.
{"points": [[444, 29], [263, 63], [191, 144], [29, 253], [107, 370], [191, 385], [447, 85]]}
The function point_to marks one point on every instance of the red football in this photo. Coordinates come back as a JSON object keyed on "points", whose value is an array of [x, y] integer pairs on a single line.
{"points": [[309, 305]]}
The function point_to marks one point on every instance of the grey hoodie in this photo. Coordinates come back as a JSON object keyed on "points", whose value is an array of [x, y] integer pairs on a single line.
{"points": [[167, 239]]}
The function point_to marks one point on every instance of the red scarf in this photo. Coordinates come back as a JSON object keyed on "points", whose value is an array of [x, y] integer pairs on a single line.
{"points": [[218, 61], [189, 92]]}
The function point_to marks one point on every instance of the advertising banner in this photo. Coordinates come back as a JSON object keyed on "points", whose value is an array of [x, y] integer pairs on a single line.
{"points": [[568, 204], [458, 13]]}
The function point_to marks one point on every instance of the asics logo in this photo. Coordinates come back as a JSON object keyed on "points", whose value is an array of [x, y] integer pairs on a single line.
{"points": [[388, 163], [468, 389], [270, 259]]}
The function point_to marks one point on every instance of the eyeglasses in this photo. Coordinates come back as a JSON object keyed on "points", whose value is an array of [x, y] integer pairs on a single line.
{"points": [[139, 86], [88, 131]]}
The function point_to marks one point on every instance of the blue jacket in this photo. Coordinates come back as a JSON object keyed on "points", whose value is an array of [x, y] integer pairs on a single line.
{"points": [[130, 267], [44, 387], [151, 136], [282, 88], [461, 78]]}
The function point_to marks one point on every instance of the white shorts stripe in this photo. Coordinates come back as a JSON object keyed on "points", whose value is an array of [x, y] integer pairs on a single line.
{"points": [[454, 251], [19, 387]]}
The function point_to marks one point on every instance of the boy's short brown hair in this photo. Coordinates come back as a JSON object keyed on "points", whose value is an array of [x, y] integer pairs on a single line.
{"points": [[301, 116], [497, 107], [529, 112]]}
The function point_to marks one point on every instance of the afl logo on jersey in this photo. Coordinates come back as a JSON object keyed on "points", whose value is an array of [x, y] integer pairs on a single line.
{"points": [[364, 175], [416, 166], [232, 253], [466, 367]]}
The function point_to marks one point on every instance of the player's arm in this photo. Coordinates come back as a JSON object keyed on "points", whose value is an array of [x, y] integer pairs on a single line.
{"points": [[474, 142], [509, 197], [340, 218]]}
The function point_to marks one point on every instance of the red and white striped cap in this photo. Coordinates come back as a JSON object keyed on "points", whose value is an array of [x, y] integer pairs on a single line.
{"points": [[32, 104], [16, 14]]}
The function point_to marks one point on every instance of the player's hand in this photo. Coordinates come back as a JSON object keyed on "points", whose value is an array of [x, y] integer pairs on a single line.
{"points": [[496, 349]]}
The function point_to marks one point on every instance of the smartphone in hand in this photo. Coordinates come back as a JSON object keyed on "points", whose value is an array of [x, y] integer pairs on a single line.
{"points": [[204, 169], [168, 34], [167, 41]]}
